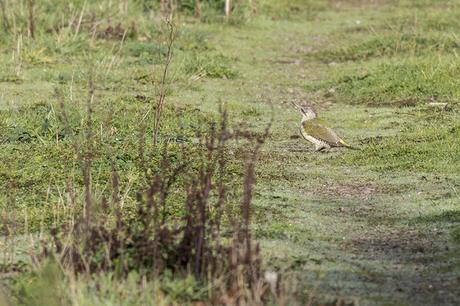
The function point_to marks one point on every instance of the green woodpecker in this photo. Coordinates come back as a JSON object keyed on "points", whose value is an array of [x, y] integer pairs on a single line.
{"points": [[315, 130]]}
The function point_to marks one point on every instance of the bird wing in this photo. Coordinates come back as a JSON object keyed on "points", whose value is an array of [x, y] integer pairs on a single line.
{"points": [[318, 129]]}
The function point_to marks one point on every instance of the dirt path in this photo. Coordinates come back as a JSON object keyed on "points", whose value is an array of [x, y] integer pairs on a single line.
{"points": [[348, 234]]}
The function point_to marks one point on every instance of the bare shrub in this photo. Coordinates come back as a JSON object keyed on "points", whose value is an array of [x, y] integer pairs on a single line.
{"points": [[212, 238]]}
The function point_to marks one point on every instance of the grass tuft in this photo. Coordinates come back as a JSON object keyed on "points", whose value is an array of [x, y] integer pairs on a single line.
{"points": [[211, 66]]}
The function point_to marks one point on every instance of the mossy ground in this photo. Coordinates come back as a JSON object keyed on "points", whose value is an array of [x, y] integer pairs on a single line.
{"points": [[378, 225]]}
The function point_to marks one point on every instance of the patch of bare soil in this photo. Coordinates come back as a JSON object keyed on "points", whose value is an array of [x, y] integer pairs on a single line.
{"points": [[364, 190], [346, 190], [395, 241], [358, 3]]}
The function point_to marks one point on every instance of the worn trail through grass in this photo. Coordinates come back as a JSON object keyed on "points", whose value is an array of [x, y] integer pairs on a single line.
{"points": [[349, 229]]}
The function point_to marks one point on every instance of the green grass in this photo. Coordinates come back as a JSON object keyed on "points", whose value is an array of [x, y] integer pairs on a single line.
{"points": [[400, 82], [375, 226]]}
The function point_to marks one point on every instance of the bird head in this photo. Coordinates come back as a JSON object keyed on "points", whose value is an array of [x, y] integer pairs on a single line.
{"points": [[307, 110]]}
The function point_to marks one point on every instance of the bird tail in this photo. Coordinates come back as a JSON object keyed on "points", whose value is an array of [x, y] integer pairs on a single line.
{"points": [[346, 145]]}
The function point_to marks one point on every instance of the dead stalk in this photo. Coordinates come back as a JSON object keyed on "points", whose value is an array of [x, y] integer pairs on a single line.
{"points": [[198, 13], [80, 19], [163, 87], [31, 8], [228, 9], [253, 5], [86, 158]]}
